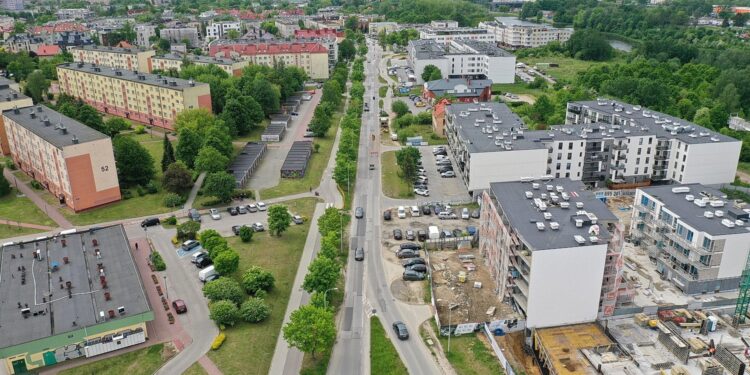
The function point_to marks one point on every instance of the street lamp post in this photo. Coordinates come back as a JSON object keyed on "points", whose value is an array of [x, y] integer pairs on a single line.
{"points": [[166, 289], [325, 297]]}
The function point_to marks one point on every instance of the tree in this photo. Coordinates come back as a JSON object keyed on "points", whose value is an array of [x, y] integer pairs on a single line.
{"points": [[163, 45], [431, 73], [226, 262], [255, 279], [321, 121], [255, 310], [135, 166], [241, 114], [224, 312], [220, 185], [167, 154], [703, 117], [347, 50], [177, 178], [233, 34], [36, 85], [210, 160], [246, 234], [332, 93], [188, 230], [351, 23], [740, 19], [207, 234], [4, 185], [266, 94], [589, 45], [407, 159], [330, 221], [310, 329], [323, 274], [189, 144], [224, 288], [115, 125], [529, 10], [399, 108], [218, 137], [279, 219]]}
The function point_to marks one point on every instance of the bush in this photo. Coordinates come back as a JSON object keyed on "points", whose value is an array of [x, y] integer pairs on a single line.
{"points": [[140, 129], [126, 194], [254, 310], [170, 220], [226, 262], [224, 288], [261, 294], [10, 165], [255, 279], [158, 261], [216, 344], [173, 200], [188, 230], [140, 191], [243, 194], [224, 312], [246, 234], [151, 187], [36, 185]]}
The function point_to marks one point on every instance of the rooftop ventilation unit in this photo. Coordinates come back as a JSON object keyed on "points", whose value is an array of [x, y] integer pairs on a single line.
{"points": [[717, 203], [690, 197], [539, 225], [727, 223], [579, 223], [719, 213], [708, 215], [699, 203], [547, 216], [594, 239], [564, 204], [579, 239], [550, 188], [579, 204], [544, 196], [535, 186], [559, 188], [529, 195], [554, 225], [681, 189], [565, 196], [739, 223]]}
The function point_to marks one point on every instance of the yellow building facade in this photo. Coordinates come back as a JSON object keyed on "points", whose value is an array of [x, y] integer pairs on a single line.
{"points": [[114, 57]]}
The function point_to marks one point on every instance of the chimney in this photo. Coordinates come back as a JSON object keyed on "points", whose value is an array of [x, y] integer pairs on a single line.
{"points": [[75, 139]]}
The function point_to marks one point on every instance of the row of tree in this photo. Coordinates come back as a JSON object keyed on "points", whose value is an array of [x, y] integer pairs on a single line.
{"points": [[345, 170]]}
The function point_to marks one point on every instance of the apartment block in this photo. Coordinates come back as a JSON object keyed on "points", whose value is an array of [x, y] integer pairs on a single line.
{"points": [[463, 59], [447, 34], [13, 5], [697, 237], [74, 14], [114, 57], [514, 33], [312, 57], [147, 98], [375, 28], [287, 26], [175, 61], [459, 89], [144, 33], [217, 30], [74, 162], [178, 34], [547, 244], [10, 98]]}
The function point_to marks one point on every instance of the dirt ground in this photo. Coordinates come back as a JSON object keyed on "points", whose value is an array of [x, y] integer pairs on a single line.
{"points": [[622, 207], [512, 345]]}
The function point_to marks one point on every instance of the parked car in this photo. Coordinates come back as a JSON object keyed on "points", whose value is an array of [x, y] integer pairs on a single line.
{"points": [[150, 222], [189, 245], [420, 186], [197, 256], [465, 213], [421, 235], [413, 261], [359, 212], [203, 262], [296, 219], [410, 236], [448, 174], [422, 178], [252, 207], [418, 268], [410, 246], [426, 210], [401, 332], [242, 210], [258, 227], [471, 230], [443, 162], [407, 253], [215, 214], [387, 215], [458, 233], [359, 254], [475, 214], [401, 212], [445, 215], [194, 215], [397, 235], [445, 233], [232, 211], [179, 306], [422, 192], [309, 134], [261, 206], [444, 169], [410, 275], [236, 229]]}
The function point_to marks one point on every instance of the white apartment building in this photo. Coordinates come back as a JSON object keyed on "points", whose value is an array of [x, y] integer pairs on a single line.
{"points": [[74, 14], [449, 34], [463, 59], [514, 33], [444, 24], [143, 35], [552, 249], [178, 34], [217, 30], [698, 238]]}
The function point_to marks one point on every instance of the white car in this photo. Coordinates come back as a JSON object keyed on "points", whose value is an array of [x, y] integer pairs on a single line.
{"points": [[401, 212], [422, 192], [215, 214], [465, 213], [262, 206], [448, 174]]}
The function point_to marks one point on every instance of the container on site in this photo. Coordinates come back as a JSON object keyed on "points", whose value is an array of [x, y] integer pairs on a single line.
{"points": [[434, 232]]}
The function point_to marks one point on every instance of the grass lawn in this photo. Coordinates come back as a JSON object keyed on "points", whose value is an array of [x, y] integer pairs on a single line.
{"points": [[515, 88], [568, 68], [382, 80], [393, 185], [470, 356], [8, 231], [249, 347], [383, 91], [425, 131], [140, 362], [384, 358], [315, 168], [744, 167], [22, 176], [254, 135], [195, 369], [22, 209]]}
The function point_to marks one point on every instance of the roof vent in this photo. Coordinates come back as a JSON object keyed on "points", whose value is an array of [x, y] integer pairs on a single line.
{"points": [[535, 185], [594, 239], [539, 225], [579, 239], [565, 196], [699, 203], [564, 204], [547, 216], [579, 223], [690, 197], [719, 213], [554, 225], [739, 223], [579, 204], [559, 188], [75, 140], [680, 189], [550, 188], [727, 223], [717, 203], [529, 195], [708, 214]]}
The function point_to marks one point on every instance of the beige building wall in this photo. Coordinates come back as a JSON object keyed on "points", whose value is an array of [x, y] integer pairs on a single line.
{"points": [[4, 106], [233, 69], [314, 64], [115, 58]]}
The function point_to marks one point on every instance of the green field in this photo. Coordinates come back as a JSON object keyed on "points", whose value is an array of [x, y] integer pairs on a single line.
{"points": [[9, 231], [140, 362], [425, 131], [567, 69], [254, 135], [249, 348], [15, 208], [470, 356], [384, 358], [393, 185], [383, 91], [515, 88], [195, 369]]}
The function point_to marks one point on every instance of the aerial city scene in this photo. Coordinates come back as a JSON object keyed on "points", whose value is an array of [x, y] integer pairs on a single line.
{"points": [[375, 187]]}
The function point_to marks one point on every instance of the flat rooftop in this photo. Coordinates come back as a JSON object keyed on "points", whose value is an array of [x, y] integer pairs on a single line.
{"points": [[431, 49], [52, 126], [449, 85], [514, 21], [91, 47], [488, 127], [567, 201], [40, 286], [201, 59], [134, 76], [563, 345]]}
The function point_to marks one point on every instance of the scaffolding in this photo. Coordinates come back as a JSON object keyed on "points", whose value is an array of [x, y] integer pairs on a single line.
{"points": [[743, 298]]}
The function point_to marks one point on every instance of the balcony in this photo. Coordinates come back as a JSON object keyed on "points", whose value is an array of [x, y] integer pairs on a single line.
{"points": [[672, 235], [663, 147], [620, 147], [617, 166]]}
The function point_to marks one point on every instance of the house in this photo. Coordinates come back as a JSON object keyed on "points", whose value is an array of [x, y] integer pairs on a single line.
{"points": [[459, 89]]}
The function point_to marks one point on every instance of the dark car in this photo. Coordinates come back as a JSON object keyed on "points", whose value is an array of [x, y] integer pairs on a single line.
{"points": [[236, 229], [421, 235], [475, 214], [194, 215], [387, 215], [203, 262], [359, 212], [407, 253], [150, 222], [446, 234], [458, 233], [211, 278], [410, 275], [445, 169], [410, 235], [413, 261], [410, 246], [232, 211], [179, 306], [397, 235], [359, 254], [471, 230], [401, 331], [418, 185], [417, 268], [426, 210]]}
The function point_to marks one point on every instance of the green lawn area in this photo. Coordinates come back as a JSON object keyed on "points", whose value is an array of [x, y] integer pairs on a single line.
{"points": [[13, 207], [315, 168], [195, 369], [383, 91], [22, 176], [249, 348], [515, 88], [382, 80], [393, 185], [8, 231], [470, 356], [424, 130], [567, 68], [744, 167], [140, 362], [384, 358], [254, 135]]}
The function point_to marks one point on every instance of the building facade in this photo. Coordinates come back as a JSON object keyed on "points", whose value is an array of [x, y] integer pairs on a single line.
{"points": [[143, 35], [446, 35], [138, 96], [13, 5], [74, 14], [696, 236], [74, 162], [114, 57], [217, 30], [174, 61], [178, 34], [23, 43], [287, 26], [311, 57], [10, 97], [459, 89], [514, 33], [463, 59]]}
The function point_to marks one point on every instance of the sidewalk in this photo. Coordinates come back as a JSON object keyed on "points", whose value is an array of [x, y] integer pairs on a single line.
{"points": [[51, 211], [194, 190]]}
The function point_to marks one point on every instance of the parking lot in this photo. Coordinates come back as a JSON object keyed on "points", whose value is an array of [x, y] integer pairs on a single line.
{"points": [[441, 189]]}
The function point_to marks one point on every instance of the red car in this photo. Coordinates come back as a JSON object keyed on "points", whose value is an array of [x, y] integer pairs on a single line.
{"points": [[179, 306]]}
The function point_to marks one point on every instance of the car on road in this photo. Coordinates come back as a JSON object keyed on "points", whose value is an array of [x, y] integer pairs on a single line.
{"points": [[203, 262], [252, 207], [189, 245], [445, 233], [359, 212], [194, 215], [420, 185], [236, 229], [258, 227], [214, 214], [410, 275], [401, 332], [422, 192], [372, 167], [296, 219], [232, 211], [442, 170], [413, 261], [150, 222], [410, 236], [407, 253], [418, 268], [448, 174], [359, 254], [179, 306], [261, 206], [295, 113], [241, 210], [445, 215], [387, 215], [475, 214], [422, 179], [465, 214], [397, 235], [410, 246]]}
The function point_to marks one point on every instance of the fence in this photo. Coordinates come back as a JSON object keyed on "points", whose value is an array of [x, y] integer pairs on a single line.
{"points": [[498, 352]]}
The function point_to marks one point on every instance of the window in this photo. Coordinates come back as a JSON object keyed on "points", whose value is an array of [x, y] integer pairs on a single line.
{"points": [[705, 260], [639, 151], [570, 156], [649, 140], [559, 146], [708, 243], [567, 166], [570, 146], [636, 170], [640, 141], [637, 160]]}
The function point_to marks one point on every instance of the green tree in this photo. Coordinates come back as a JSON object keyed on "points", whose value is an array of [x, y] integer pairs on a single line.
{"points": [[218, 137], [431, 73], [351, 23], [730, 97], [266, 94], [163, 45], [188, 230], [210, 160], [703, 117], [347, 50], [332, 93], [135, 166], [4, 185], [246, 234], [310, 329], [220, 185], [407, 159], [226, 262], [207, 234], [330, 221], [256, 279], [399, 108], [279, 219], [224, 288], [177, 178], [322, 274], [233, 34], [36, 85], [115, 125], [167, 154], [224, 312], [189, 144], [241, 114], [255, 310], [589, 45]]}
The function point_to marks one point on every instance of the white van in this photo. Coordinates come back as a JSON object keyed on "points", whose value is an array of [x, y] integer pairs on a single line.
{"points": [[401, 212], [414, 211], [205, 273], [434, 233]]}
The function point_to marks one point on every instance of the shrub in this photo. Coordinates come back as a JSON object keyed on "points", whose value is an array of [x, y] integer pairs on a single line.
{"points": [[170, 220], [246, 234], [173, 200], [261, 294], [188, 230], [216, 344], [140, 129], [254, 310], [226, 262], [255, 279], [158, 261], [140, 191], [243, 194], [10, 165], [151, 187], [224, 312], [224, 288], [126, 194], [36, 185]]}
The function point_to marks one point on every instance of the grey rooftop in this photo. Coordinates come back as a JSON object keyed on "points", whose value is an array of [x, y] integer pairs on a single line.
{"points": [[195, 58], [52, 126], [92, 47], [134, 76], [485, 127]]}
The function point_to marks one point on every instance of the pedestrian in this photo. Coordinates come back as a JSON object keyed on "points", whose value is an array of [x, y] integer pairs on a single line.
{"points": [[136, 245], [311, 189]]}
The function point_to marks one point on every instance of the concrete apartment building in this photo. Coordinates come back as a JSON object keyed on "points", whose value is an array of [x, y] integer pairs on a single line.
{"points": [[329, 42], [551, 248], [23, 43], [74, 162], [697, 237], [312, 57], [460, 90], [138, 96], [74, 14], [514, 33], [217, 30], [178, 34], [87, 299], [463, 59], [174, 61], [287, 26], [10, 97], [448, 34], [144, 33], [13, 5], [375, 28], [114, 57]]}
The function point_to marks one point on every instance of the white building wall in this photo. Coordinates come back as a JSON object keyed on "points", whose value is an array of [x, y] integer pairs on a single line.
{"points": [[711, 163], [734, 257], [501, 69], [638, 160], [565, 285], [502, 166]]}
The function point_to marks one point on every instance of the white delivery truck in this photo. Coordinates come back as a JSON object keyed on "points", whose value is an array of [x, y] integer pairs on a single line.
{"points": [[205, 273], [434, 233]]}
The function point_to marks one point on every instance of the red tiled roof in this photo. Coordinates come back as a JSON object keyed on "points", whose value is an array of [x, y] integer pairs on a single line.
{"points": [[48, 50], [58, 28], [318, 33], [439, 108], [265, 49], [242, 14], [124, 44]]}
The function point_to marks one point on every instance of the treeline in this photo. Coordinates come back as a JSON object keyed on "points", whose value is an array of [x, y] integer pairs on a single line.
{"points": [[424, 11]]}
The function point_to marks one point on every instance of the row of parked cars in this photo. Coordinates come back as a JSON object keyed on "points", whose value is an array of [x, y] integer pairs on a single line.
{"points": [[443, 163], [249, 208]]}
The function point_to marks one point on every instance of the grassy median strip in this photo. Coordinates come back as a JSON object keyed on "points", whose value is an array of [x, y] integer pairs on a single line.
{"points": [[393, 185], [140, 362], [195, 369], [384, 358]]}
